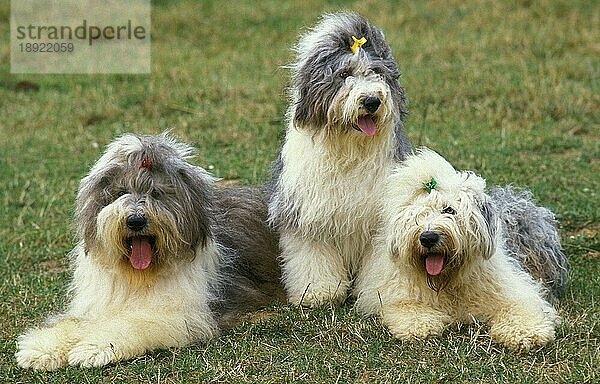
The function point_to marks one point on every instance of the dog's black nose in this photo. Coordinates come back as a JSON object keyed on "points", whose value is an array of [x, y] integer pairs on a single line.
{"points": [[429, 238], [371, 103], [136, 222]]}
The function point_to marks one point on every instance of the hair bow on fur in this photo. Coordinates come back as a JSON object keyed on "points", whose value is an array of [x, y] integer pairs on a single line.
{"points": [[357, 43], [430, 185]]}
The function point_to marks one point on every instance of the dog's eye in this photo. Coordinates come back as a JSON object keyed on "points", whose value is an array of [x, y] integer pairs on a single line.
{"points": [[449, 211], [345, 73], [120, 193], [156, 194]]}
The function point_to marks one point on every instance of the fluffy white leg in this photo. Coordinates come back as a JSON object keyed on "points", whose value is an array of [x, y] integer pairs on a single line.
{"points": [[126, 336], [313, 272], [47, 348], [523, 324], [519, 317]]}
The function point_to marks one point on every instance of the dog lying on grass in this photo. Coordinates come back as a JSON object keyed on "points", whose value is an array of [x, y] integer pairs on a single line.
{"points": [[164, 259], [441, 257]]}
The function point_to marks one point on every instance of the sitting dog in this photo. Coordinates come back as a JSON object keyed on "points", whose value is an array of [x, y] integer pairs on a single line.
{"points": [[441, 258], [164, 258], [343, 134]]}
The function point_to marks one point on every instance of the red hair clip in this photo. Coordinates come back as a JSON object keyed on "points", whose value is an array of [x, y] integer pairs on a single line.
{"points": [[146, 163]]}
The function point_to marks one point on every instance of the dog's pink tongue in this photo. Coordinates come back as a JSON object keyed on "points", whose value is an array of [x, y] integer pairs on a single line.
{"points": [[367, 125], [434, 264], [141, 253]]}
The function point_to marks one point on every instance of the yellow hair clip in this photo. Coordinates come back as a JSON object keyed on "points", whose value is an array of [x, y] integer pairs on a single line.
{"points": [[357, 44]]}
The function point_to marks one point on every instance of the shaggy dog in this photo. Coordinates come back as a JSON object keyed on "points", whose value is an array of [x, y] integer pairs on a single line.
{"points": [[344, 132], [164, 259], [441, 258]]}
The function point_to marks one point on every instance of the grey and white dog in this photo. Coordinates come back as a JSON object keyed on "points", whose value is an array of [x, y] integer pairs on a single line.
{"points": [[344, 131], [164, 258]]}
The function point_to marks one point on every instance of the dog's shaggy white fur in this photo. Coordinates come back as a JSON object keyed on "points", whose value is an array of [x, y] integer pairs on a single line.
{"points": [[344, 132], [153, 267], [440, 259]]}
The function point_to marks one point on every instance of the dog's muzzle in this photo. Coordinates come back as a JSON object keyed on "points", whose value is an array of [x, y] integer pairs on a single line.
{"points": [[434, 261], [366, 123], [141, 251], [371, 103], [429, 239], [136, 222]]}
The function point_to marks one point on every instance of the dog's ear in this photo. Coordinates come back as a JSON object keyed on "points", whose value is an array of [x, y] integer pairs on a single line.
{"points": [[195, 198], [93, 195], [309, 110], [490, 217], [303, 113], [316, 87]]}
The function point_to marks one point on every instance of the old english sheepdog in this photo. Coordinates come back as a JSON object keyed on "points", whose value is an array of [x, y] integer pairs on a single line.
{"points": [[344, 132], [164, 258], [441, 258]]}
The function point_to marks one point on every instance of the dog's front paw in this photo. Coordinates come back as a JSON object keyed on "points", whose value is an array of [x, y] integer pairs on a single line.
{"points": [[411, 323], [406, 330], [89, 354], [318, 294], [522, 334], [92, 354], [41, 349]]}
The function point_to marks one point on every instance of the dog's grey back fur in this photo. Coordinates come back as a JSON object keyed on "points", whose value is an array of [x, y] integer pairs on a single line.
{"points": [[252, 247], [532, 236]]}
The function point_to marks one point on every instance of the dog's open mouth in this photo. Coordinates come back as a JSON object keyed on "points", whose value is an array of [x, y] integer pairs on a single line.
{"points": [[434, 263], [367, 125], [141, 251]]}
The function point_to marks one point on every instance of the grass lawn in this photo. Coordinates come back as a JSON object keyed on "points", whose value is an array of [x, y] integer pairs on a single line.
{"points": [[510, 90]]}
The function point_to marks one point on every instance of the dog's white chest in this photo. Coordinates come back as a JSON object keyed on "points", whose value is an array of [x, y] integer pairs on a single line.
{"points": [[341, 201]]}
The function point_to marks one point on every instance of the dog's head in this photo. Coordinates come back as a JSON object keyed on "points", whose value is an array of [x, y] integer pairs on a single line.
{"points": [[439, 221], [143, 205], [343, 84]]}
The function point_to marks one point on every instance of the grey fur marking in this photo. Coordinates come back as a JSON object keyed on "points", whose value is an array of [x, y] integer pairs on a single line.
{"points": [[488, 211], [241, 227], [532, 237]]}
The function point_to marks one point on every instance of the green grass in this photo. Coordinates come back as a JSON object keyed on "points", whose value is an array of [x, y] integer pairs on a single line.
{"points": [[508, 89]]}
